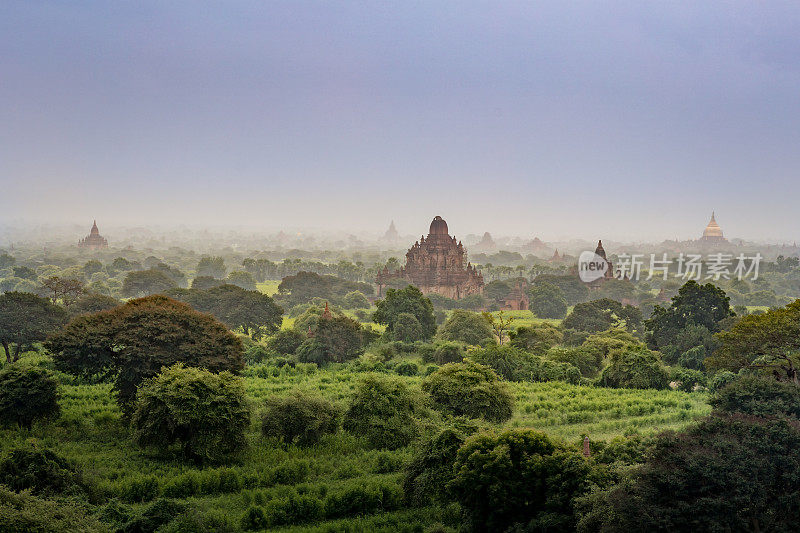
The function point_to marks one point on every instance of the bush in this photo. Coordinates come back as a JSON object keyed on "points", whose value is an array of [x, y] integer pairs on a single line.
{"points": [[27, 513], [196, 522], [469, 389], [299, 418], [407, 328], [720, 379], [448, 352], [355, 300], [206, 413], [406, 368], [140, 489], [588, 360], [159, 513], [514, 364], [256, 354], [255, 519], [536, 339], [688, 379], [635, 368], [292, 510], [519, 478], [758, 396], [26, 395], [467, 327], [360, 499], [286, 341], [41, 471], [382, 411]]}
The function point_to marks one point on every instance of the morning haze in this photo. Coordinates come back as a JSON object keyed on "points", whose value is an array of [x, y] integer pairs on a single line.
{"points": [[556, 121]]}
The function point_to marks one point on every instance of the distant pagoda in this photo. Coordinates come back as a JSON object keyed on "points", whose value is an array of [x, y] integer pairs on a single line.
{"points": [[94, 241], [713, 233], [391, 234], [437, 264]]}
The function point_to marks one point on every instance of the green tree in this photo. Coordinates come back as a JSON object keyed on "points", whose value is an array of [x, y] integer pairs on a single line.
{"points": [[286, 341], [635, 368], [92, 302], [547, 301], [213, 267], [500, 324], [383, 411], [64, 290], [769, 341], [26, 318], [203, 283], [517, 478], [407, 328], [537, 338], [467, 327], [42, 472], [727, 473], [206, 414], [355, 300], [600, 315], [471, 390], [305, 286], [145, 282], [134, 341], [758, 396], [92, 266], [26, 395], [242, 279], [299, 418], [575, 291], [407, 300]]}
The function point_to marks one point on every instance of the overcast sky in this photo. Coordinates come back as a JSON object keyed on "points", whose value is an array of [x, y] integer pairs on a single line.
{"points": [[620, 120]]}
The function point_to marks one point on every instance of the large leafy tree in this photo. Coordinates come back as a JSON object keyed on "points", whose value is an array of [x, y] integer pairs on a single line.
{"points": [[211, 266], [407, 300], [695, 304], [134, 341], [27, 394], [145, 282], [600, 315], [768, 341], [64, 290], [26, 318], [305, 286], [517, 478], [547, 301], [728, 473], [256, 313]]}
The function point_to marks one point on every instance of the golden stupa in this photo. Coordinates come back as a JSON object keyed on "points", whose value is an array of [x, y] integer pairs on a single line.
{"points": [[713, 233]]}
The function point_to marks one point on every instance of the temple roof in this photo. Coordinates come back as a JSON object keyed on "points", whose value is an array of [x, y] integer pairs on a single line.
{"points": [[600, 250], [438, 226]]}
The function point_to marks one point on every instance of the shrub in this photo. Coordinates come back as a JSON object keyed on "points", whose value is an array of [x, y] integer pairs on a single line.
{"points": [[536, 339], [26, 395], [688, 379], [299, 418], [720, 379], [382, 411], [293, 509], [196, 522], [255, 519], [406, 368], [519, 478], [469, 389], [467, 327], [256, 354], [26, 513], [407, 328], [159, 513], [286, 341], [289, 472], [206, 413], [448, 352], [635, 368], [355, 300], [41, 471], [588, 360], [758, 396], [360, 499], [140, 489], [514, 364]]}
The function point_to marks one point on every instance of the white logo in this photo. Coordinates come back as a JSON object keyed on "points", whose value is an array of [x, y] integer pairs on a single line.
{"points": [[591, 267]]}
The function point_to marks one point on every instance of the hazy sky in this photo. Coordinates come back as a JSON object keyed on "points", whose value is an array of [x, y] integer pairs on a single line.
{"points": [[623, 120]]}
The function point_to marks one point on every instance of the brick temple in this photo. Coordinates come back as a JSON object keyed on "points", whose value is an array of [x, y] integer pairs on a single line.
{"points": [[436, 264], [94, 240]]}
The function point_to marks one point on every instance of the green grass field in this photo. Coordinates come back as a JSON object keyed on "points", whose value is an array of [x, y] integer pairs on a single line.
{"points": [[91, 434]]}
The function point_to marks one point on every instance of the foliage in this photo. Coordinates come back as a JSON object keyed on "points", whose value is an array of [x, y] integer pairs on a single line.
{"points": [[406, 368], [383, 412], [305, 286], [407, 300], [340, 337], [203, 283], [758, 396], [467, 327], [355, 300], [600, 315], [574, 290], [145, 282], [242, 280], [514, 364], [213, 267], [24, 512], [26, 318], [728, 473], [207, 414], [256, 313], [299, 418], [517, 478], [537, 338], [587, 359], [26, 395], [64, 290], [447, 352], [92, 303], [695, 304], [134, 341], [635, 368], [42, 472], [767, 341], [688, 379], [159, 513], [407, 328], [471, 390], [286, 341], [547, 301]]}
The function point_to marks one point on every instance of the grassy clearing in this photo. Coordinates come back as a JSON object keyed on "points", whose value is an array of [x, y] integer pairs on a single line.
{"points": [[269, 287]]}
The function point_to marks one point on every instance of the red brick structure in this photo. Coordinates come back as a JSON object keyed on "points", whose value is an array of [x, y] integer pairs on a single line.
{"points": [[94, 240], [438, 265]]}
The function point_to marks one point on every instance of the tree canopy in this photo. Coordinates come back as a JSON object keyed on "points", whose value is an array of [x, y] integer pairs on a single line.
{"points": [[408, 300], [26, 318]]}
